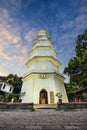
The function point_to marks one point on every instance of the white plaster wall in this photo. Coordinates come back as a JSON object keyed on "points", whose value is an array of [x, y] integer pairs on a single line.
{"points": [[27, 88], [60, 88], [33, 87], [50, 67], [36, 67], [43, 53], [43, 38], [47, 84]]}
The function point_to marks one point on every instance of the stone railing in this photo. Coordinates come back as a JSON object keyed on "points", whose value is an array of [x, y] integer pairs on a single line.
{"points": [[17, 106], [70, 106]]}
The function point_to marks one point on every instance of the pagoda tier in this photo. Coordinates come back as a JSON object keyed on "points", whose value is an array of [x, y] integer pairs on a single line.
{"points": [[43, 45], [43, 57]]}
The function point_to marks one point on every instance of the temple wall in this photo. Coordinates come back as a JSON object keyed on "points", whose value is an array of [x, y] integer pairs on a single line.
{"points": [[32, 87]]}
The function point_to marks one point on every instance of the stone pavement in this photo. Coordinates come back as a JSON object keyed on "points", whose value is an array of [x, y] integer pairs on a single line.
{"points": [[43, 119]]}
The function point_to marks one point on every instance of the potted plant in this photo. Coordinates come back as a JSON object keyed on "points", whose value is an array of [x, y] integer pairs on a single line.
{"points": [[20, 100], [59, 95], [76, 99]]}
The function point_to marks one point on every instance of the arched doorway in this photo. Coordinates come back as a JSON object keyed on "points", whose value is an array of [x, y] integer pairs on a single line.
{"points": [[43, 97]]}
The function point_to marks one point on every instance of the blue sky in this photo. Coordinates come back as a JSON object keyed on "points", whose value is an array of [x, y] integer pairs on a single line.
{"points": [[20, 20]]}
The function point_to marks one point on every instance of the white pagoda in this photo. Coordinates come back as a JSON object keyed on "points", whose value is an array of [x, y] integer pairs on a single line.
{"points": [[43, 81]]}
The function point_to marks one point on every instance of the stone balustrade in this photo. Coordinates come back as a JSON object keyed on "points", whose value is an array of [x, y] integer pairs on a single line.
{"points": [[70, 106], [18, 106]]}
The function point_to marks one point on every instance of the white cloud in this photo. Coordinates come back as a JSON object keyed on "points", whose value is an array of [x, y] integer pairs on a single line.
{"points": [[12, 49], [9, 35], [79, 22], [83, 9], [30, 35], [5, 56], [24, 51], [13, 5], [4, 16], [69, 24], [4, 72], [80, 18]]}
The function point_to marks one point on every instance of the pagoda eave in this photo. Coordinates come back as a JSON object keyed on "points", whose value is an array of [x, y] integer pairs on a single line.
{"points": [[43, 58], [55, 74], [42, 48]]}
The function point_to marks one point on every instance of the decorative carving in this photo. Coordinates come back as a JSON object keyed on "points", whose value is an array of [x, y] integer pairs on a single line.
{"points": [[43, 76]]}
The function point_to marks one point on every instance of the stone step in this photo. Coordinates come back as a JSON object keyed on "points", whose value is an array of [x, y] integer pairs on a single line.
{"points": [[44, 106], [45, 127]]}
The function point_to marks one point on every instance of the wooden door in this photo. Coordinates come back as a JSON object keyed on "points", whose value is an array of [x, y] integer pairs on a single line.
{"points": [[43, 97]]}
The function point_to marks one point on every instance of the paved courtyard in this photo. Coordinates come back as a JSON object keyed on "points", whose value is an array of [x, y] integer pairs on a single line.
{"points": [[43, 119]]}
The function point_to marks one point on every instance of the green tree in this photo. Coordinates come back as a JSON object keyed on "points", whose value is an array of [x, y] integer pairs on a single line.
{"points": [[70, 91], [77, 67], [3, 78], [14, 80], [9, 97]]}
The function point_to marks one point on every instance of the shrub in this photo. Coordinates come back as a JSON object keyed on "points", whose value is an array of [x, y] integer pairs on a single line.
{"points": [[9, 96]]}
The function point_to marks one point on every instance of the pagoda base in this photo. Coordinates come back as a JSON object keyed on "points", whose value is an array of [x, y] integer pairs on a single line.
{"points": [[42, 88]]}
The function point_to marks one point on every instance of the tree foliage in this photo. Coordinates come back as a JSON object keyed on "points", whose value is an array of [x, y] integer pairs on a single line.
{"points": [[9, 97], [77, 67], [14, 80], [70, 91]]}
